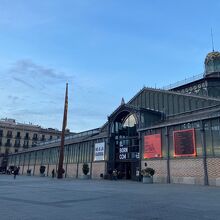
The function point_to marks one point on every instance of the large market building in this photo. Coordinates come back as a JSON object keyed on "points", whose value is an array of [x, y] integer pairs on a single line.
{"points": [[175, 131]]}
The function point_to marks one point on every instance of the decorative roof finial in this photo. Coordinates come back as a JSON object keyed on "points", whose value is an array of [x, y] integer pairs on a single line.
{"points": [[122, 101]]}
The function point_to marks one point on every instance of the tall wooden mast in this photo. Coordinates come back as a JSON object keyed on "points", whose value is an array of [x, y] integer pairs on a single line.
{"points": [[61, 155]]}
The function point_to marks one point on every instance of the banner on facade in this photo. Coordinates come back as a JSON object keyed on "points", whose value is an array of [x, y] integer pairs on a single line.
{"points": [[99, 151], [152, 146], [184, 143]]}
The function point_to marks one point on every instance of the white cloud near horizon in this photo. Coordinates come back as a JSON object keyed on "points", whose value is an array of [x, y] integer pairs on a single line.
{"points": [[35, 94]]}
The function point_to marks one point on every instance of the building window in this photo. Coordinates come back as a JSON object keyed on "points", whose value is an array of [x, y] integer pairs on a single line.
{"points": [[27, 136], [8, 143], [0, 141], [215, 128], [1, 133], [17, 143], [16, 150], [18, 134], [26, 143], [129, 121], [43, 137], [35, 136], [51, 137], [9, 134]]}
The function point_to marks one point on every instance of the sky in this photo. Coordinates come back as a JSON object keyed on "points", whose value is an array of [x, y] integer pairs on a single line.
{"points": [[105, 50]]}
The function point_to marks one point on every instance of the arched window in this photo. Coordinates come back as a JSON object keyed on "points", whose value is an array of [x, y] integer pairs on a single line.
{"points": [[130, 121]]}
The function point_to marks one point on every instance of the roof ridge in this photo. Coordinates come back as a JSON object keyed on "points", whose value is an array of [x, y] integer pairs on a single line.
{"points": [[183, 94]]}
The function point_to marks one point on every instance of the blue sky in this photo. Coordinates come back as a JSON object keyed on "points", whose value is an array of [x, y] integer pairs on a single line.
{"points": [[105, 50]]}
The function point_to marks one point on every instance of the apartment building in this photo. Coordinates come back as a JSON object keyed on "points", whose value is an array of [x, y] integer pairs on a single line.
{"points": [[15, 137]]}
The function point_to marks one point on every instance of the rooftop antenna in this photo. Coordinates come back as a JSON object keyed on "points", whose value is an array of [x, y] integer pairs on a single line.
{"points": [[212, 41]]}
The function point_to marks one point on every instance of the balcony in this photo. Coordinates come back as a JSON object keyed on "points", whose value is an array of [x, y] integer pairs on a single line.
{"points": [[18, 137], [34, 138], [9, 136], [7, 144], [25, 146], [17, 145]]}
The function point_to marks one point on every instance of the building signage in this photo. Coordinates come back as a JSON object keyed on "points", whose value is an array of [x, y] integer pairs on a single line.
{"points": [[152, 146], [184, 143], [99, 151], [123, 153], [122, 156], [123, 150]]}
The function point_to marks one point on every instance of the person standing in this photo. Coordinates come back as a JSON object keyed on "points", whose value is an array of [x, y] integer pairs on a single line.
{"points": [[16, 172], [115, 174], [53, 173]]}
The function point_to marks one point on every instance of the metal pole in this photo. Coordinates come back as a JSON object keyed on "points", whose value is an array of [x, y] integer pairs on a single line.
{"points": [[67, 160], [77, 165], [168, 154], [206, 180]]}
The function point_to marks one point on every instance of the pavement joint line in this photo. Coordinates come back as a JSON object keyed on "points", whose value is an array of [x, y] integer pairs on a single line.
{"points": [[55, 203]]}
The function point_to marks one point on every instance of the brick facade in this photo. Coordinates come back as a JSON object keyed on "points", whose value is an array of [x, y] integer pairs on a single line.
{"points": [[213, 166], [188, 171], [97, 169], [160, 167]]}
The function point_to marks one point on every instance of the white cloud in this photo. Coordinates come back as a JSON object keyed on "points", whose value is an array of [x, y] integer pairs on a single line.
{"points": [[36, 94]]}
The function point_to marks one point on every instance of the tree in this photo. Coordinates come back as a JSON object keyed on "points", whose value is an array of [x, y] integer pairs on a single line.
{"points": [[85, 168]]}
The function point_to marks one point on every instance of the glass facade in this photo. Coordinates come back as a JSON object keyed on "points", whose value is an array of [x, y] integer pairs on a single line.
{"points": [[75, 153], [127, 142]]}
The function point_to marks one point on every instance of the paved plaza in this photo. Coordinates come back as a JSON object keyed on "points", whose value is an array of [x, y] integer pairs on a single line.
{"points": [[33, 198]]}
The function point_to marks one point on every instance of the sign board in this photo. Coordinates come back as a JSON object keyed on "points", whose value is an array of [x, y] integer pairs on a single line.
{"points": [[122, 156], [123, 150], [99, 151], [184, 143], [152, 146]]}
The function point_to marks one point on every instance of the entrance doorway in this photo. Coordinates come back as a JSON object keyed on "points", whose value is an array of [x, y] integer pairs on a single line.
{"points": [[124, 145], [127, 170]]}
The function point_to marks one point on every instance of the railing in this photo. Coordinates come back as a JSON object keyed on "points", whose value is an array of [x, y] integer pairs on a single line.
{"points": [[25, 146], [17, 145], [182, 82]]}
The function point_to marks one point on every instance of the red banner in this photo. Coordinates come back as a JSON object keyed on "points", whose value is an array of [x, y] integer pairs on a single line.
{"points": [[152, 146], [184, 143]]}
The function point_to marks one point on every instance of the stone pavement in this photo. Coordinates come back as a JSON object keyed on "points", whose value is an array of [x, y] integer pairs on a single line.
{"points": [[42, 198]]}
